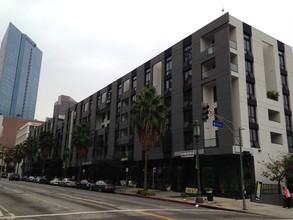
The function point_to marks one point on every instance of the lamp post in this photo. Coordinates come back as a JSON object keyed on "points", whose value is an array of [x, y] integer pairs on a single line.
{"points": [[196, 135]]}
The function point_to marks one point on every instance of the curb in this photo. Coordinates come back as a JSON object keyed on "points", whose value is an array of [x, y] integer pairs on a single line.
{"points": [[183, 202]]}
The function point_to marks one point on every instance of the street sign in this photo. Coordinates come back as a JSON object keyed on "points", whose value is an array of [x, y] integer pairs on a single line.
{"points": [[187, 153], [218, 124]]}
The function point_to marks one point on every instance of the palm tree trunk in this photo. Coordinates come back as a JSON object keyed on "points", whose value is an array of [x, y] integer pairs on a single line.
{"points": [[145, 184]]}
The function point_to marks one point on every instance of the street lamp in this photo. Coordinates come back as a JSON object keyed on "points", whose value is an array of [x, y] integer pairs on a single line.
{"points": [[196, 135]]}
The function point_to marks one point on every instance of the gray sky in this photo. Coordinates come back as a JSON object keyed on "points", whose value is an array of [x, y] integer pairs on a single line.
{"points": [[87, 44]]}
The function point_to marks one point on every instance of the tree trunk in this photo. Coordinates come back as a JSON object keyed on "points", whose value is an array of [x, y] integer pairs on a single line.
{"points": [[145, 184], [17, 168]]}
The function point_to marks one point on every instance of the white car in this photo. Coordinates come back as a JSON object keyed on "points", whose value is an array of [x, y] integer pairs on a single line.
{"points": [[67, 182], [55, 181]]}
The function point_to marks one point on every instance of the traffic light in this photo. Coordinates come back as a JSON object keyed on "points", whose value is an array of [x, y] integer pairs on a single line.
{"points": [[205, 111]]}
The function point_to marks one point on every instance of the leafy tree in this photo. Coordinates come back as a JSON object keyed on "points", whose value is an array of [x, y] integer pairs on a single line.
{"points": [[82, 139], [8, 156], [149, 119], [46, 142], [32, 144], [19, 154], [276, 170], [106, 169]]}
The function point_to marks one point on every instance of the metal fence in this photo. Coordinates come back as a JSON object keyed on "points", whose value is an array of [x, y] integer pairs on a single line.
{"points": [[270, 189]]}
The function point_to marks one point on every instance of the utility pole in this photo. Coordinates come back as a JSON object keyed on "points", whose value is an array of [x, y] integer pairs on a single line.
{"points": [[241, 170]]}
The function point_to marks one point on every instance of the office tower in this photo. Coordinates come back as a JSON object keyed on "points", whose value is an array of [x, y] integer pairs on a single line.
{"points": [[20, 65], [60, 107]]}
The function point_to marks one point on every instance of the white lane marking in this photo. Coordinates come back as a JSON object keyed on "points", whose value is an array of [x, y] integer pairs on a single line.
{"points": [[106, 211], [9, 213]]}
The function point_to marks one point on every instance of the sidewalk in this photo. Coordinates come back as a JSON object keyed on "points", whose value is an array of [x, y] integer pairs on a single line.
{"points": [[218, 203]]}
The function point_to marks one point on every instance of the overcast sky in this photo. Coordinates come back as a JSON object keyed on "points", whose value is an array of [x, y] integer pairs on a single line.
{"points": [[87, 44]]}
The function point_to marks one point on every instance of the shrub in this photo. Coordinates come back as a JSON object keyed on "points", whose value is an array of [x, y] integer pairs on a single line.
{"points": [[143, 192]]}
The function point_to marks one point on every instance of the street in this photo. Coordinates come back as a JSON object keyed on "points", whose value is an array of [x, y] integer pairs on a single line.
{"points": [[25, 200]]}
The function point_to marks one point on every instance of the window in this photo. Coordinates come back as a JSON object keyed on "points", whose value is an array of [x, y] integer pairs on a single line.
{"points": [[187, 77], [187, 118], [125, 102], [124, 117], [207, 66], [248, 68], [86, 107], [126, 85], [168, 85], [118, 106], [286, 102], [282, 60], [104, 95], [276, 138], [134, 82], [253, 138], [168, 66], [215, 93], [284, 81], [252, 114], [123, 132], [288, 123], [250, 90], [147, 77], [168, 102], [119, 90], [109, 96], [188, 140], [187, 97], [187, 60], [247, 43], [290, 143]]}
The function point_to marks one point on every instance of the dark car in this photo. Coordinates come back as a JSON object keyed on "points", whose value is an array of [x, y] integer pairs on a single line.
{"points": [[4, 175], [15, 177], [84, 184], [103, 186]]}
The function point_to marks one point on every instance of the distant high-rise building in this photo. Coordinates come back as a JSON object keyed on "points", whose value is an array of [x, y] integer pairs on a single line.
{"points": [[20, 65], [60, 107]]}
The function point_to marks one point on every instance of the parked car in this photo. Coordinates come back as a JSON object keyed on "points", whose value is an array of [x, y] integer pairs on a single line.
{"points": [[84, 184], [4, 175], [37, 179], [103, 186], [44, 180], [67, 182], [15, 177], [23, 178], [55, 181], [31, 179]]}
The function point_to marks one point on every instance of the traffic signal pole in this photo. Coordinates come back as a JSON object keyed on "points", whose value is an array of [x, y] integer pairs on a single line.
{"points": [[232, 130]]}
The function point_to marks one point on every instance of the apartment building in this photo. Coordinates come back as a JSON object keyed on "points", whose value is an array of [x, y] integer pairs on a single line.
{"points": [[243, 74]]}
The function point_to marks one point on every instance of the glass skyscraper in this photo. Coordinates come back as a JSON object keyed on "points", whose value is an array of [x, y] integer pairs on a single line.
{"points": [[20, 65]]}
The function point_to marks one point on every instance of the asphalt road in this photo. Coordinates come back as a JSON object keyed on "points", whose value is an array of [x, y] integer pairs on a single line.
{"points": [[24, 200]]}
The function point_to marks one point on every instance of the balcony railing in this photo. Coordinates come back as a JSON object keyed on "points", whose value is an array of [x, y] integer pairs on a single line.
{"points": [[233, 44], [212, 142], [211, 50], [234, 67]]}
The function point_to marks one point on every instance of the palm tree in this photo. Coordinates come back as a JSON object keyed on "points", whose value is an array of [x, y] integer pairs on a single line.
{"points": [[82, 138], [149, 119], [19, 154], [46, 141], [31, 148]]}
